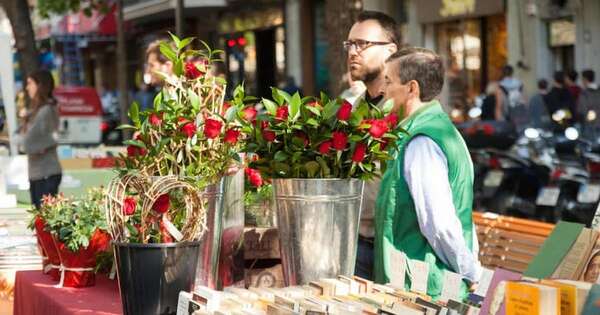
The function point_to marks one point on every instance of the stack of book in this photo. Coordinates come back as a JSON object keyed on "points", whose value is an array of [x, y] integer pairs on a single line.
{"points": [[343, 295]]}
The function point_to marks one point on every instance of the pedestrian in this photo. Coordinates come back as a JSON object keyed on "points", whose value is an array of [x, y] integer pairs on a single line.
{"points": [[589, 102], [559, 98], [371, 40], [571, 83], [424, 208], [538, 112], [511, 99], [489, 107], [38, 134], [157, 62]]}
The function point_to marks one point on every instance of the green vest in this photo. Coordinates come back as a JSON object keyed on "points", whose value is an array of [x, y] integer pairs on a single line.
{"points": [[396, 225]]}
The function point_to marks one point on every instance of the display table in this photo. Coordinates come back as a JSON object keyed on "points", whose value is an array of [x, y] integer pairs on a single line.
{"points": [[35, 294]]}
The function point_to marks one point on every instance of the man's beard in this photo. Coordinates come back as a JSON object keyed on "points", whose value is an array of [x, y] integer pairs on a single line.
{"points": [[368, 76]]}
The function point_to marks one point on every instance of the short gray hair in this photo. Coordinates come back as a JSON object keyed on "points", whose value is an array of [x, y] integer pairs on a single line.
{"points": [[423, 66]]}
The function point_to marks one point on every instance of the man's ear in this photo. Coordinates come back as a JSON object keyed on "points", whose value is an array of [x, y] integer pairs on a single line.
{"points": [[414, 89]]}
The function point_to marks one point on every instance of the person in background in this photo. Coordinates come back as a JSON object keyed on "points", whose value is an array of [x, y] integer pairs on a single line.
{"points": [[559, 98], [38, 140], [425, 203], [571, 83], [489, 107], [589, 101], [145, 96], [156, 61], [290, 86], [371, 40], [510, 93], [538, 112]]}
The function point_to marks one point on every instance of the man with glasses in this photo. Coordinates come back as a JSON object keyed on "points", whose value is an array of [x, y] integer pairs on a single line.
{"points": [[371, 40]]}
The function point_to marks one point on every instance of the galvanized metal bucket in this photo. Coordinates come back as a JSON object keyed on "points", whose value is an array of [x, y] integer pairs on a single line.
{"points": [[318, 222], [218, 264]]}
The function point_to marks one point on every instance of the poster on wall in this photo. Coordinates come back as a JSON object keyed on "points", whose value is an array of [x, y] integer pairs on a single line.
{"points": [[80, 113]]}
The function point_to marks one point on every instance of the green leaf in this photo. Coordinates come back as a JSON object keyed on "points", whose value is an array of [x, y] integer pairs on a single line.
{"points": [[175, 39], [280, 156], [134, 113], [270, 106], [314, 110], [387, 106], [194, 99], [330, 109], [185, 42], [324, 168], [277, 97], [295, 103], [281, 169], [313, 122], [178, 67], [136, 143], [312, 168], [166, 50]]}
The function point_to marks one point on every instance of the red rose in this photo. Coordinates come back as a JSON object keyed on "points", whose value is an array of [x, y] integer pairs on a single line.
{"points": [[359, 152], [378, 128], [302, 135], [155, 120], [226, 106], [189, 129], [249, 113], [231, 136], [339, 140], [264, 125], [181, 120], [254, 177], [345, 111], [282, 113], [212, 128], [392, 120], [269, 135], [129, 204], [325, 147], [191, 71], [162, 203], [133, 150]]}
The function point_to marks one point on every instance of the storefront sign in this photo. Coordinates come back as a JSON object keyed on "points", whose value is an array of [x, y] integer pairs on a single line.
{"points": [[432, 11], [80, 114]]}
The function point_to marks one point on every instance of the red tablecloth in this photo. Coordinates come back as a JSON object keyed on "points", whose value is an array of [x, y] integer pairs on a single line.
{"points": [[35, 294]]}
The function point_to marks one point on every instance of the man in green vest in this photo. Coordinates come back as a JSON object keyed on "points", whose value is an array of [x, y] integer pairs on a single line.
{"points": [[424, 207]]}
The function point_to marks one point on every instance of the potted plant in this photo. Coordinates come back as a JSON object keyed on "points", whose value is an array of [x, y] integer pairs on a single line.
{"points": [[164, 208], [78, 230], [318, 151], [50, 258]]}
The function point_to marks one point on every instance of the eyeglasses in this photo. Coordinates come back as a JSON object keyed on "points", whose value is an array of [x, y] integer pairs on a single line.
{"points": [[361, 44]]}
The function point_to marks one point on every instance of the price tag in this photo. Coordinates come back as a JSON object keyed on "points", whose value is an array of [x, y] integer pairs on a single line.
{"points": [[172, 229], [419, 271], [484, 282], [397, 265], [493, 179], [548, 196], [451, 286], [588, 193]]}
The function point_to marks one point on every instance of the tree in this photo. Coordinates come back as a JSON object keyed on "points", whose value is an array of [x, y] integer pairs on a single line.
{"points": [[20, 20], [340, 15]]}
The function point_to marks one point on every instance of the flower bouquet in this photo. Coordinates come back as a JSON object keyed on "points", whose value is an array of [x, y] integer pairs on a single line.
{"points": [[318, 151], [163, 206], [73, 235]]}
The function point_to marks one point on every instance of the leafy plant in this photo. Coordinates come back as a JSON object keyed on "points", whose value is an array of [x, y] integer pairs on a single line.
{"points": [[74, 221], [318, 137], [190, 131]]}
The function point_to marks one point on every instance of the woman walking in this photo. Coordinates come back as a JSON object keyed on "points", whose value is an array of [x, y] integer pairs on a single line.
{"points": [[39, 144]]}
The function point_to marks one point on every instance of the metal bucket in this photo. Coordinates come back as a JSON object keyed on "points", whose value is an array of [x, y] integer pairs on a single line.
{"points": [[318, 222], [225, 225]]}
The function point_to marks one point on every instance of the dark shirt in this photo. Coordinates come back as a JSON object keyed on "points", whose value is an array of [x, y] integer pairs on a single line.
{"points": [[488, 107], [560, 98], [373, 100]]}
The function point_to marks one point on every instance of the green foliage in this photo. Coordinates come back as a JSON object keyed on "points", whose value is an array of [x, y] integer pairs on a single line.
{"points": [[59, 7], [296, 150]]}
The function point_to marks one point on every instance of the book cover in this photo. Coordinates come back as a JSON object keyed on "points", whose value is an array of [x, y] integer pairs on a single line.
{"points": [[568, 296], [592, 305], [575, 261], [524, 298], [554, 250], [493, 303]]}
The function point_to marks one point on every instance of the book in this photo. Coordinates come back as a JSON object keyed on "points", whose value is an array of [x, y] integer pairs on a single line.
{"points": [[592, 304], [573, 295], [554, 249], [460, 308], [430, 305], [575, 261], [525, 298], [493, 303]]}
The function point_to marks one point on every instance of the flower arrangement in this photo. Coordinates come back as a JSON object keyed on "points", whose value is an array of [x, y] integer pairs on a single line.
{"points": [[73, 234], [190, 132], [183, 144], [317, 137]]}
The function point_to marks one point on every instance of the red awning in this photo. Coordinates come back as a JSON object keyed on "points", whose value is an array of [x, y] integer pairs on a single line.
{"points": [[97, 23]]}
